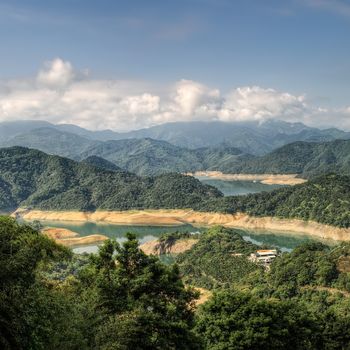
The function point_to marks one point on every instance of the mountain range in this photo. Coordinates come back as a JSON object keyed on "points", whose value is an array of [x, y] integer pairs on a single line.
{"points": [[321, 153], [256, 138]]}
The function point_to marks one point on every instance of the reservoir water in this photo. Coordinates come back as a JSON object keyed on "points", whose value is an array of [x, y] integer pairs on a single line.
{"points": [[280, 240], [237, 188]]}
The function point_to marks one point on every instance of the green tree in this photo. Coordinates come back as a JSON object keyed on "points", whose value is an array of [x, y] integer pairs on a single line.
{"points": [[145, 302], [236, 320], [33, 314]]}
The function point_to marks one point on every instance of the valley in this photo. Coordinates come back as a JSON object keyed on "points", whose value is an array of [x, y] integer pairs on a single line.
{"points": [[175, 175]]}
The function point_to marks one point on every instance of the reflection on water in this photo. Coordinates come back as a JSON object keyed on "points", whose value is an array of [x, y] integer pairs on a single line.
{"points": [[232, 188], [283, 241]]}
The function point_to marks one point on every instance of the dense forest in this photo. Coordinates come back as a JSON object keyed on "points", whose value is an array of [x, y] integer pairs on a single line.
{"points": [[325, 199], [123, 299], [30, 178], [308, 159], [153, 157], [219, 258]]}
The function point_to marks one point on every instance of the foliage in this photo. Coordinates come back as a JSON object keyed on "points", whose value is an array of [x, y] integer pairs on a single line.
{"points": [[234, 320], [309, 159], [215, 260], [122, 299], [325, 199], [31, 178], [32, 315], [138, 291]]}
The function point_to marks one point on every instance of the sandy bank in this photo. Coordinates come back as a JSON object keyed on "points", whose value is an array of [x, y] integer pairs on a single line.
{"points": [[180, 246], [70, 238], [179, 217], [268, 179]]}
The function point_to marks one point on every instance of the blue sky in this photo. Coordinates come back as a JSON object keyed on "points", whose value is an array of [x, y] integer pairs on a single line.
{"points": [[299, 47]]}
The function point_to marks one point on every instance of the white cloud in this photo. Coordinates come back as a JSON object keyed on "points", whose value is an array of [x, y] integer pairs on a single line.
{"points": [[191, 99], [256, 103], [61, 94], [56, 73]]}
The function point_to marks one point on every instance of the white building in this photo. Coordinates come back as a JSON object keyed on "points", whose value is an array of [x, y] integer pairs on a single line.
{"points": [[263, 256]]}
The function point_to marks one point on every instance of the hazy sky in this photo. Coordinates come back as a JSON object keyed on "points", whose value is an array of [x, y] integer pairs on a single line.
{"points": [[129, 64]]}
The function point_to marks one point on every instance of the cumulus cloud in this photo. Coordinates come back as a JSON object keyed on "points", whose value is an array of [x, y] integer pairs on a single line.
{"points": [[62, 94], [56, 73], [256, 103]]}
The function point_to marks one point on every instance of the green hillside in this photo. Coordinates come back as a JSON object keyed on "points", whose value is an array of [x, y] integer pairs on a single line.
{"points": [[325, 199], [305, 158], [120, 298], [52, 141], [152, 157], [149, 156], [30, 178], [219, 258], [34, 179], [102, 163]]}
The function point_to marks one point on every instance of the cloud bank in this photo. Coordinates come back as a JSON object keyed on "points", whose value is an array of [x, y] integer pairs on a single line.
{"points": [[61, 94]]}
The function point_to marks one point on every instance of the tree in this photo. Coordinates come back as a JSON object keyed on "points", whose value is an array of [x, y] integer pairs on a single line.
{"points": [[33, 315], [145, 302], [236, 320]]}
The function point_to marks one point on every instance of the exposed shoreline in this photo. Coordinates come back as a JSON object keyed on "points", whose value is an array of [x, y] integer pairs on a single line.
{"points": [[267, 179], [187, 216], [180, 246], [70, 238]]}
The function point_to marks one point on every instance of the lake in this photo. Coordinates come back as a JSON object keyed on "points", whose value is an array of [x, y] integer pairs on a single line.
{"points": [[280, 240], [237, 188]]}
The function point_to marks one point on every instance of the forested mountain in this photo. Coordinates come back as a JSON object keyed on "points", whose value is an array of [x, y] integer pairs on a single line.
{"points": [[8, 130], [52, 141], [250, 137], [140, 156], [102, 163], [35, 179], [305, 158], [325, 199], [30, 178], [152, 157]]}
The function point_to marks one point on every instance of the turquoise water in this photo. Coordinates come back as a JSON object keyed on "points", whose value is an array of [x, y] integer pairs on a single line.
{"points": [[239, 188], [146, 233]]}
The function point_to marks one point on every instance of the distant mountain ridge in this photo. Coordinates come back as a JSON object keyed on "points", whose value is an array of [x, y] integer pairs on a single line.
{"points": [[250, 137], [149, 156]]}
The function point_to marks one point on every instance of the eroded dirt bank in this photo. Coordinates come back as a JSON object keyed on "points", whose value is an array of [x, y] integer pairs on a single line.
{"points": [[70, 238], [267, 179], [179, 217], [180, 246]]}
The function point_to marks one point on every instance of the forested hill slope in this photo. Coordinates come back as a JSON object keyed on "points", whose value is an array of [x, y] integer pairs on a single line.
{"points": [[306, 158], [325, 199], [140, 156], [152, 157], [30, 178], [34, 179]]}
